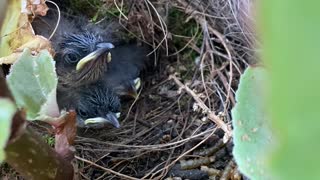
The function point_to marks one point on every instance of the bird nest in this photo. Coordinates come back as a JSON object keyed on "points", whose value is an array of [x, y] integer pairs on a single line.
{"points": [[180, 124]]}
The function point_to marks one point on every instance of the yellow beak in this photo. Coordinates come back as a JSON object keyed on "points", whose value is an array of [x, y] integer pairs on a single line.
{"points": [[102, 49]]}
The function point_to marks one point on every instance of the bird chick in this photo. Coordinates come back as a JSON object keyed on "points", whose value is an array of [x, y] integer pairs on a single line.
{"points": [[123, 71], [97, 106], [81, 59], [97, 82], [93, 73]]}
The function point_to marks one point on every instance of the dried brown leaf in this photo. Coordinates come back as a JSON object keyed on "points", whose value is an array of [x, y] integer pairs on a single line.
{"points": [[34, 7], [36, 44], [65, 135], [20, 36]]}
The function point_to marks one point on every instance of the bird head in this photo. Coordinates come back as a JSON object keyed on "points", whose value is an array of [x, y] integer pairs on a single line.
{"points": [[97, 107], [128, 88], [85, 53]]}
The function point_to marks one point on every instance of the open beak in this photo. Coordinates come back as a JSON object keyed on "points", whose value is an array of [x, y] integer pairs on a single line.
{"points": [[111, 118], [102, 49]]}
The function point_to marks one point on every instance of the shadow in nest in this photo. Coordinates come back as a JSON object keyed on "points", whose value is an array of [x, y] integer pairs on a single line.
{"points": [[168, 131]]}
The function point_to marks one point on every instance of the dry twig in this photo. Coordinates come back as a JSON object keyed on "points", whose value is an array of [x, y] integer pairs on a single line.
{"points": [[211, 114], [106, 169]]}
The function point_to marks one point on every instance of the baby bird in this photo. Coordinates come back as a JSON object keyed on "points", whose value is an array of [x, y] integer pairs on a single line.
{"points": [[95, 69]]}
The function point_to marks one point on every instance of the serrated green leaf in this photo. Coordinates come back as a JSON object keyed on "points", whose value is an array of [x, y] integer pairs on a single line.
{"points": [[7, 111], [252, 133], [33, 82]]}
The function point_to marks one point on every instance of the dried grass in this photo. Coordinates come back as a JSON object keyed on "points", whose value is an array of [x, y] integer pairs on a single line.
{"points": [[183, 109], [166, 124]]}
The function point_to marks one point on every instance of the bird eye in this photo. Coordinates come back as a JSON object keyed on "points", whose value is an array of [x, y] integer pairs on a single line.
{"points": [[71, 58], [82, 113]]}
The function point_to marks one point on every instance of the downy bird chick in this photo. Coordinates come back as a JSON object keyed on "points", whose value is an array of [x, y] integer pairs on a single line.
{"points": [[95, 68]]}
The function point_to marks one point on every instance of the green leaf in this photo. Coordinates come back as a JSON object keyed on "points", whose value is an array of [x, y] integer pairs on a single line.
{"points": [[7, 111], [290, 43], [33, 82], [252, 133]]}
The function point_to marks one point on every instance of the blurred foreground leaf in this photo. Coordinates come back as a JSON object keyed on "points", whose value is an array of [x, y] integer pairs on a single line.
{"points": [[3, 6], [290, 42], [252, 133], [33, 82], [26, 151], [7, 111]]}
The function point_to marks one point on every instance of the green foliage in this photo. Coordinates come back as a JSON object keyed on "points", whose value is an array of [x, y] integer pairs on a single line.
{"points": [[7, 111], [96, 9], [113, 10], [290, 34], [49, 140], [252, 133], [85, 7], [178, 26], [182, 32], [33, 82]]}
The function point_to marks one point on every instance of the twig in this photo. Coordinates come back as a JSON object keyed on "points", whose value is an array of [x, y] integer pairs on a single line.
{"points": [[120, 10], [58, 21], [106, 169], [225, 84], [220, 37], [211, 150], [131, 106], [202, 20], [228, 170], [146, 147], [205, 108], [163, 27], [185, 153]]}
